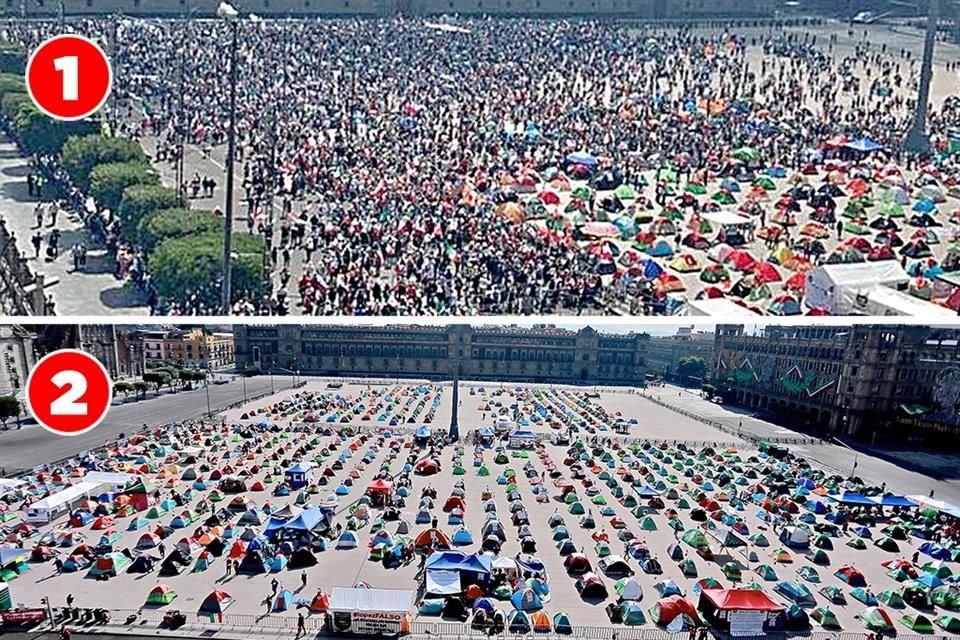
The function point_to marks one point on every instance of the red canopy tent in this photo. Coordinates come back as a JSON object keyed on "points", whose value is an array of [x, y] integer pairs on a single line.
{"points": [[718, 606]]}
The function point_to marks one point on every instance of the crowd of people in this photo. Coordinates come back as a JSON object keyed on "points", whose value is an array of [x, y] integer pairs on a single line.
{"points": [[376, 157]]}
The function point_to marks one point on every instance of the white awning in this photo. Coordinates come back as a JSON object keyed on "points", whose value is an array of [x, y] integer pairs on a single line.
{"points": [[392, 600], [726, 217], [443, 582]]}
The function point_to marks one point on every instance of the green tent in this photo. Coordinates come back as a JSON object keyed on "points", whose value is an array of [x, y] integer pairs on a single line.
{"points": [[161, 594], [648, 524], [766, 572], [696, 539], [917, 622], [876, 619], [826, 618], [948, 623], [892, 599], [576, 508], [857, 543], [632, 614]]}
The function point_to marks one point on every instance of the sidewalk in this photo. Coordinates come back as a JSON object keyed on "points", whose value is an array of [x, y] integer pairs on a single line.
{"points": [[94, 291]]}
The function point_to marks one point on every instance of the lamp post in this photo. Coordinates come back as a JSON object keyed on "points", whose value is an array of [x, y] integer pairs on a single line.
{"points": [[228, 13]]}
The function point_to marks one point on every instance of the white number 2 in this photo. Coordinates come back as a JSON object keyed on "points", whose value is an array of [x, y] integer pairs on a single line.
{"points": [[66, 404], [68, 66]]}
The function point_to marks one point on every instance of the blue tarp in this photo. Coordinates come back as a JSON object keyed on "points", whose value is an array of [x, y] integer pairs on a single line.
{"points": [[897, 501], [584, 158], [864, 144], [309, 520], [486, 432], [855, 498], [524, 435], [423, 432], [457, 561]]}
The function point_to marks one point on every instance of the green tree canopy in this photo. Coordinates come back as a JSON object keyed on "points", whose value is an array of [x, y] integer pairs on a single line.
{"points": [[692, 367], [156, 378], [9, 408], [81, 154], [165, 224], [108, 181], [194, 264], [141, 200]]}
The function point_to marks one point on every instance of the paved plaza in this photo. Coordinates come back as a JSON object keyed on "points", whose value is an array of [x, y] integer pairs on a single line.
{"points": [[310, 421]]}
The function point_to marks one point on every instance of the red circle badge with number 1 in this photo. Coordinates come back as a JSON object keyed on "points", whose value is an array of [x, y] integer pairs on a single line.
{"points": [[69, 392], [69, 77]]}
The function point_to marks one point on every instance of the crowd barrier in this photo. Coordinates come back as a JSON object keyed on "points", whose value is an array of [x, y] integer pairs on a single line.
{"points": [[150, 620]]}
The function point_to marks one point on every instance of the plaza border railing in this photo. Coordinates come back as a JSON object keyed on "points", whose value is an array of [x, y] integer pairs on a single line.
{"points": [[149, 621]]}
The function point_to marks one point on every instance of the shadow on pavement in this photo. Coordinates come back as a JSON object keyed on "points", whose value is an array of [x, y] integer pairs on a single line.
{"points": [[121, 297]]}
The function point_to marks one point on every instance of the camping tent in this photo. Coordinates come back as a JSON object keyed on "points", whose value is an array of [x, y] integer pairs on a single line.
{"points": [[725, 607], [161, 594]]}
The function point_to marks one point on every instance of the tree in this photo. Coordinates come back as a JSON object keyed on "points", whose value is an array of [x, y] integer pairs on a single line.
{"points": [[13, 60], [108, 181], [176, 223], [156, 378], [9, 408], [691, 367], [81, 154], [122, 387], [141, 388], [182, 267], [37, 132], [141, 200]]}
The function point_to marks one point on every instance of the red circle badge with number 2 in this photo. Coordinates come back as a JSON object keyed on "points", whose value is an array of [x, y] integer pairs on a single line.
{"points": [[69, 77], [69, 392]]}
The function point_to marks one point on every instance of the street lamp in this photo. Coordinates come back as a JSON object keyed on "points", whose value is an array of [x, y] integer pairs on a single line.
{"points": [[227, 12]]}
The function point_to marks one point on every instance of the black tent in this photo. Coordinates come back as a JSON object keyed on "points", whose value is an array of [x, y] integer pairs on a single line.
{"points": [[302, 558]]}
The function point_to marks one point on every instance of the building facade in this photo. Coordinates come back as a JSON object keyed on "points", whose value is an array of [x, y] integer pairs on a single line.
{"points": [[626, 9], [874, 383], [540, 354], [218, 352], [190, 348], [664, 353], [100, 341], [16, 358]]}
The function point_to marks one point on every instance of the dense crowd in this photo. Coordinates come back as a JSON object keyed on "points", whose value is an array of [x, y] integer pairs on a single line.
{"points": [[378, 158]]}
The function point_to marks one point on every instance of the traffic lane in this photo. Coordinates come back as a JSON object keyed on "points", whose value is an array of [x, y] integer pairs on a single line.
{"points": [[32, 446]]}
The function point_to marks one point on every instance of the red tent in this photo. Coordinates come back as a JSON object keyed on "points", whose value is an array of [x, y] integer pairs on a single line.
{"points": [[216, 602], [432, 538], [851, 575], [739, 600], [666, 610], [454, 502], [321, 602], [380, 486], [427, 467], [741, 260], [766, 272]]}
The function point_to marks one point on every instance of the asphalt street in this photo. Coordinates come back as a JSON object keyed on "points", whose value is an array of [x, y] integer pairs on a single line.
{"points": [[33, 445]]}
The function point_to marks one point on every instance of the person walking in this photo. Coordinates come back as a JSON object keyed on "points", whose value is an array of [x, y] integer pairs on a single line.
{"points": [[301, 626], [303, 579]]}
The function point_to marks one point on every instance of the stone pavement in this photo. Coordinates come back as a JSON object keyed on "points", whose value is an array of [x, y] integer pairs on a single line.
{"points": [[92, 292]]}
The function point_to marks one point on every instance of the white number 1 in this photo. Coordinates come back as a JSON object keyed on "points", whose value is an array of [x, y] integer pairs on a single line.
{"points": [[66, 404], [68, 66]]}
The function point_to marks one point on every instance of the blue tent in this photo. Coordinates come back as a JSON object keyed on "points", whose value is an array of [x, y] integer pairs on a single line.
{"points": [[423, 433], [796, 592], [299, 475], [472, 568], [462, 537], [646, 491]]}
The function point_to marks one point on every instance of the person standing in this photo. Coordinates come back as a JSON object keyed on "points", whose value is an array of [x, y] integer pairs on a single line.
{"points": [[303, 579]]}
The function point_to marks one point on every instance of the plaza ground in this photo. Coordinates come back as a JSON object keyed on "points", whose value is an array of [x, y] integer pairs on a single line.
{"points": [[126, 593]]}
